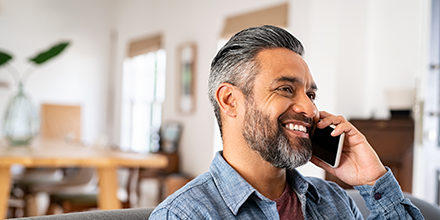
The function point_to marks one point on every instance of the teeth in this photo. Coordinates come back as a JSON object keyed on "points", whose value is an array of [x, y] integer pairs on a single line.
{"points": [[296, 127]]}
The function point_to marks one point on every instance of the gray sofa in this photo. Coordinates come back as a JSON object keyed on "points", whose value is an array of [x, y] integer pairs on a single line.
{"points": [[429, 211], [132, 214]]}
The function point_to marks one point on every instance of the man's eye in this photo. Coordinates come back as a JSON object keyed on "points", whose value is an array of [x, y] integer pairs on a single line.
{"points": [[286, 89], [312, 96]]}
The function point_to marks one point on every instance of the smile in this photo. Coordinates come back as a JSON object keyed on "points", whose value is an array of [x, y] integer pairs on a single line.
{"points": [[295, 127]]}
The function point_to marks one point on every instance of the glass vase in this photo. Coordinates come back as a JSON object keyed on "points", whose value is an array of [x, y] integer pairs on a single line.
{"points": [[22, 121]]}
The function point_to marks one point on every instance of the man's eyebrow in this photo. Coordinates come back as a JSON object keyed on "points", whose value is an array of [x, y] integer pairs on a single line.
{"points": [[294, 80], [314, 86]]}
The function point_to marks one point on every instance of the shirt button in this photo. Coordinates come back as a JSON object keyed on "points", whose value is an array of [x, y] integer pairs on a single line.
{"points": [[378, 196]]}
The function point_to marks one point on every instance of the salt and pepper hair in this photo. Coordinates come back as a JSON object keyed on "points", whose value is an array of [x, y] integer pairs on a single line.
{"points": [[236, 63]]}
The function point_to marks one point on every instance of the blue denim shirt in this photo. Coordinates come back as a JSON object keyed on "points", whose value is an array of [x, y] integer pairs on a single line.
{"points": [[222, 193]]}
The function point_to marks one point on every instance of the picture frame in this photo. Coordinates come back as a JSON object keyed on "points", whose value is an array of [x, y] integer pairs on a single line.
{"points": [[186, 98]]}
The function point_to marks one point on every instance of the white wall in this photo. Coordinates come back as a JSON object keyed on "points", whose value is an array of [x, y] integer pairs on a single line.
{"points": [[355, 49], [79, 75], [180, 22], [358, 49]]}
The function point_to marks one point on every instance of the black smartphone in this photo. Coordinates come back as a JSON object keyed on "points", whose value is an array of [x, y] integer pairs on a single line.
{"points": [[326, 147]]}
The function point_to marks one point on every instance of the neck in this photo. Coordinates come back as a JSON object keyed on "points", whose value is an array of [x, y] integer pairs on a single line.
{"points": [[267, 179]]}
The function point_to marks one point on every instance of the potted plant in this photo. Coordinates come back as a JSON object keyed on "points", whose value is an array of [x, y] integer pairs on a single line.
{"points": [[21, 121]]}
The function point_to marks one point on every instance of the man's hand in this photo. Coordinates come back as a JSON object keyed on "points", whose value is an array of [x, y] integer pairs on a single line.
{"points": [[359, 163]]}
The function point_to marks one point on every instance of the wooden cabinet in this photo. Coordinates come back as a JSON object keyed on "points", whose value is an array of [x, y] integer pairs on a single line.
{"points": [[393, 142]]}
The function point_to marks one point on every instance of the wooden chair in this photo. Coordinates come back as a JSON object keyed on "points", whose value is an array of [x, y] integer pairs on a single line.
{"points": [[57, 122], [78, 202], [61, 121], [64, 121]]}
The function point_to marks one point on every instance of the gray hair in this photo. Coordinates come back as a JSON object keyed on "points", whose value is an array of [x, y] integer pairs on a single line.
{"points": [[236, 63]]}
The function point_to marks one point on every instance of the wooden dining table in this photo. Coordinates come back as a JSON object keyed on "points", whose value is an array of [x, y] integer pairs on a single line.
{"points": [[58, 153]]}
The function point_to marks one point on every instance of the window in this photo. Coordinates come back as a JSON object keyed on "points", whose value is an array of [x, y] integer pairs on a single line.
{"points": [[143, 92]]}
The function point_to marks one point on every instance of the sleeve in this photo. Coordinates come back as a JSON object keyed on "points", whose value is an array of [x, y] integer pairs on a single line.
{"points": [[385, 200]]}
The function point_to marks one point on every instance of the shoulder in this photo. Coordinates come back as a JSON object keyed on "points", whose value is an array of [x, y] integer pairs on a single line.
{"points": [[192, 201]]}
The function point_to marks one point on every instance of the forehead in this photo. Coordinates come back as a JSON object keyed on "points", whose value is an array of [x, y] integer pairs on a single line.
{"points": [[281, 62]]}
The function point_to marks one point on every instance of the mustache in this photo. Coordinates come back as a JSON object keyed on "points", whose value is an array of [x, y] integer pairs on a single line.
{"points": [[298, 117]]}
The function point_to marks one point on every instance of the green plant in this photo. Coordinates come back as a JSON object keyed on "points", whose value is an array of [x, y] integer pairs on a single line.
{"points": [[39, 59]]}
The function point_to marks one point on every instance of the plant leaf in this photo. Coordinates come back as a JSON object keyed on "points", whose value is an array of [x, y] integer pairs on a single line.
{"points": [[4, 58], [49, 54]]}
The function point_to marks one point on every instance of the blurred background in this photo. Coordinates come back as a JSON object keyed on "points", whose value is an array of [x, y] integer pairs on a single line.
{"points": [[135, 66]]}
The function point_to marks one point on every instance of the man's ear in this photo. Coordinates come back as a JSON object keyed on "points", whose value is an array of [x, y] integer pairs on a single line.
{"points": [[226, 95]]}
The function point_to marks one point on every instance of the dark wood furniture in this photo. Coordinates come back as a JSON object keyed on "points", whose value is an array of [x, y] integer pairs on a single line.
{"points": [[160, 174], [393, 141]]}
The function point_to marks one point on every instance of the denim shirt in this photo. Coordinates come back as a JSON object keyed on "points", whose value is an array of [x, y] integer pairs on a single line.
{"points": [[221, 193]]}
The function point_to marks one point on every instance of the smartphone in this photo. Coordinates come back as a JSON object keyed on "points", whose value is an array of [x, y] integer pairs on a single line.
{"points": [[326, 147]]}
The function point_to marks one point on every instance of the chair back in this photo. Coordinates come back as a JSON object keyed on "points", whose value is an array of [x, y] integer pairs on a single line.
{"points": [[61, 121], [64, 122]]}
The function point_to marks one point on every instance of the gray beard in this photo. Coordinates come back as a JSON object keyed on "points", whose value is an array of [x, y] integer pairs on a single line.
{"points": [[272, 143]]}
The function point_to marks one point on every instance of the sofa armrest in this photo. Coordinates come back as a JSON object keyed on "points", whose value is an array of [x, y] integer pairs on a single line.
{"points": [[428, 210]]}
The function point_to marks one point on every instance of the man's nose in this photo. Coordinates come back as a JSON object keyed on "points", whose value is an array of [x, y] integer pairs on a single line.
{"points": [[305, 106]]}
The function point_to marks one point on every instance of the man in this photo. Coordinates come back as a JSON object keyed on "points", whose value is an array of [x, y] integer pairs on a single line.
{"points": [[263, 96]]}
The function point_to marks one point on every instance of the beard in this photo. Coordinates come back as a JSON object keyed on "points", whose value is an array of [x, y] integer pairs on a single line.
{"points": [[270, 141]]}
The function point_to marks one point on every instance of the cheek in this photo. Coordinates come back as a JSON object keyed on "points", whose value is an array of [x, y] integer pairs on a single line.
{"points": [[271, 108], [277, 111]]}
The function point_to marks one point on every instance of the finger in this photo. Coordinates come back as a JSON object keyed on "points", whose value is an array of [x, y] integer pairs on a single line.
{"points": [[347, 128], [323, 119], [343, 127], [330, 119]]}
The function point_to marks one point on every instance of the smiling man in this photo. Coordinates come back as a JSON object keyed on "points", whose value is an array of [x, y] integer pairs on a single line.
{"points": [[263, 96]]}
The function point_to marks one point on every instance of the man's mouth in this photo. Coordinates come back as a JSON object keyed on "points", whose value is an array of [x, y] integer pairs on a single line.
{"points": [[296, 127], [296, 124]]}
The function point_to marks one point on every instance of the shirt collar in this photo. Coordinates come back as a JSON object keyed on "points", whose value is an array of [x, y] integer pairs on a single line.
{"points": [[302, 186], [232, 187], [234, 190]]}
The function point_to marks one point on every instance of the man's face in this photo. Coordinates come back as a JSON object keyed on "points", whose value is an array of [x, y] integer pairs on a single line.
{"points": [[281, 113]]}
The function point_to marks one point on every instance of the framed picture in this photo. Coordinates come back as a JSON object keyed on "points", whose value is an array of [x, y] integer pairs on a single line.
{"points": [[187, 56]]}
